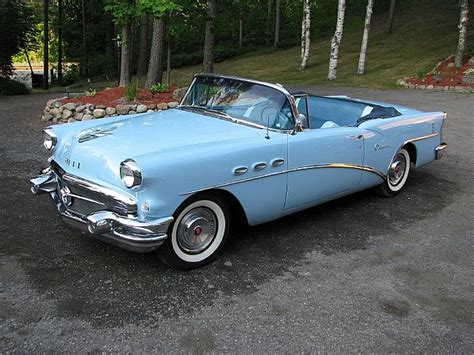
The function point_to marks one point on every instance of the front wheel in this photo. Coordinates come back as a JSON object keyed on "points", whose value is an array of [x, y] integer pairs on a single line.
{"points": [[198, 233], [397, 174]]}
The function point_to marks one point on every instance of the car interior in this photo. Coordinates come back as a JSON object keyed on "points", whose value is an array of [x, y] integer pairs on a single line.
{"points": [[332, 112]]}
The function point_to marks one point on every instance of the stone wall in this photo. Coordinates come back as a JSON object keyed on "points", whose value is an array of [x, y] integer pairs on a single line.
{"points": [[56, 112]]}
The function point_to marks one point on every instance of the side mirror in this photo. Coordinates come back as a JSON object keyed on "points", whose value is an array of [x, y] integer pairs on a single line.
{"points": [[298, 124]]}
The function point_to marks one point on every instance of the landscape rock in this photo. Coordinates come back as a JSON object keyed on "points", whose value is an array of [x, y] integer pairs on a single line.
{"points": [[150, 110], [71, 120], [56, 103], [471, 60], [79, 116], [54, 112], [162, 106], [430, 87], [47, 117], [80, 108], [173, 104], [178, 94], [66, 114], [71, 106], [60, 109], [400, 82], [87, 117], [90, 107], [141, 108], [101, 106], [55, 119], [99, 113], [110, 111], [131, 112], [122, 109], [151, 106], [47, 109]]}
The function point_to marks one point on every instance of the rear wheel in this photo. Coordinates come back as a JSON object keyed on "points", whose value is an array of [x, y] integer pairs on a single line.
{"points": [[397, 174], [198, 233]]}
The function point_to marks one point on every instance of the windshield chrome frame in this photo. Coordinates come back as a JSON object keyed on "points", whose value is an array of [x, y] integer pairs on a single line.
{"points": [[278, 87]]}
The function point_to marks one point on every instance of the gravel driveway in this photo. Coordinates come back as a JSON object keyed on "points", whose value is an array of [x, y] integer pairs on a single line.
{"points": [[359, 274]]}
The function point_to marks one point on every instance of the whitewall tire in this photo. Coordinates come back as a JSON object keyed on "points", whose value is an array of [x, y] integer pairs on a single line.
{"points": [[397, 175], [198, 233]]}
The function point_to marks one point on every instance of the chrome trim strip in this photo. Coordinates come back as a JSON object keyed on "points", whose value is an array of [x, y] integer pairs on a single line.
{"points": [[85, 199], [99, 189], [307, 167], [420, 138]]}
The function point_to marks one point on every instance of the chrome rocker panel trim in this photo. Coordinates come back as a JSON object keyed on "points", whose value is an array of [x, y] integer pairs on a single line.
{"points": [[127, 232]]}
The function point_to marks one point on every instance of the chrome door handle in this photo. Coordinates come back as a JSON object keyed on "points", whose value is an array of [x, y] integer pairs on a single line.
{"points": [[357, 137]]}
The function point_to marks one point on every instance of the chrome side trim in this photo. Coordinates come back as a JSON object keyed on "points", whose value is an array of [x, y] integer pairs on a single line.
{"points": [[439, 150], [306, 167], [99, 189], [420, 138]]}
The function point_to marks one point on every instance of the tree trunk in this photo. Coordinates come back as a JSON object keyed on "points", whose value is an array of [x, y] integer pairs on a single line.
{"points": [[365, 38], [84, 64], [305, 33], [241, 30], [464, 18], [60, 42], [155, 66], [208, 61], [391, 15], [46, 46], [168, 63], [336, 41], [143, 51], [269, 21], [277, 23], [125, 56]]}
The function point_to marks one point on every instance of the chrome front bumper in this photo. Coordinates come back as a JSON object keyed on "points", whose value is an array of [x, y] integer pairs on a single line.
{"points": [[125, 231], [439, 150]]}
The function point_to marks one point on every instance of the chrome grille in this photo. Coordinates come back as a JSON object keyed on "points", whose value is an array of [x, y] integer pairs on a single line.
{"points": [[83, 197]]}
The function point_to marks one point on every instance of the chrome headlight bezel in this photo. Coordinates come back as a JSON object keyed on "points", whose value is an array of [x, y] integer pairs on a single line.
{"points": [[130, 173], [49, 139]]}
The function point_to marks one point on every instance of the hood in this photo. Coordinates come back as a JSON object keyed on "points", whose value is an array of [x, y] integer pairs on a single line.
{"points": [[96, 152]]}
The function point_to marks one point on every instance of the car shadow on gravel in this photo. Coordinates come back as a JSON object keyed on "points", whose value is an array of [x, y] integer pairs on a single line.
{"points": [[102, 284]]}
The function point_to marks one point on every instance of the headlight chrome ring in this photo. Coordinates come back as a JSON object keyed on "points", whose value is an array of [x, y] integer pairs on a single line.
{"points": [[130, 173], [49, 139]]}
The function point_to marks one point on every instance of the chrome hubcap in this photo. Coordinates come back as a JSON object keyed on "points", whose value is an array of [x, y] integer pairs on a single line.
{"points": [[397, 169], [196, 230]]}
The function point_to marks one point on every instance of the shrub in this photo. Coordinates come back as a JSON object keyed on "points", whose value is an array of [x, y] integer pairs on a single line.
{"points": [[420, 73], [11, 87], [71, 75], [131, 91], [158, 87]]}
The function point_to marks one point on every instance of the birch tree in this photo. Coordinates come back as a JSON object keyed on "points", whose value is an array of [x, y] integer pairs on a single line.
{"points": [[365, 38], [463, 19], [210, 40], [277, 23], [305, 33], [336, 40]]}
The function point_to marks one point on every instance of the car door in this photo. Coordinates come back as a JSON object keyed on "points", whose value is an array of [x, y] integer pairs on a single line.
{"points": [[323, 164]]}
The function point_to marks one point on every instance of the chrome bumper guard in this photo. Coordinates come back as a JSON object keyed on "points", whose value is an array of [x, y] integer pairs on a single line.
{"points": [[439, 150], [127, 232]]}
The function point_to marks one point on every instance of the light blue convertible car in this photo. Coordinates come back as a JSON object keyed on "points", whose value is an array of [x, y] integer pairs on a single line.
{"points": [[233, 148]]}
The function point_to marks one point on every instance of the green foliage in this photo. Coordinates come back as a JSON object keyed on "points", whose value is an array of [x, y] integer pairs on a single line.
{"points": [[420, 73], [158, 87], [71, 75], [16, 32], [157, 8], [90, 93], [11, 87], [131, 91], [121, 10]]}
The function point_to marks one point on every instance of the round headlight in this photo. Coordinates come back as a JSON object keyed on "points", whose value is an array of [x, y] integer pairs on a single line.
{"points": [[50, 139], [130, 173]]}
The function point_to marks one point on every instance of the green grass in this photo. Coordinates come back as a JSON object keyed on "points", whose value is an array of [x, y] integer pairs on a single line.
{"points": [[422, 36]]}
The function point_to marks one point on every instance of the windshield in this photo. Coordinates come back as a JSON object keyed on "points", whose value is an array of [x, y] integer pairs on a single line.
{"points": [[241, 100]]}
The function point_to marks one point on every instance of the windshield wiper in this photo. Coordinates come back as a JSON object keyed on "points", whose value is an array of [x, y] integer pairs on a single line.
{"points": [[210, 110]]}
